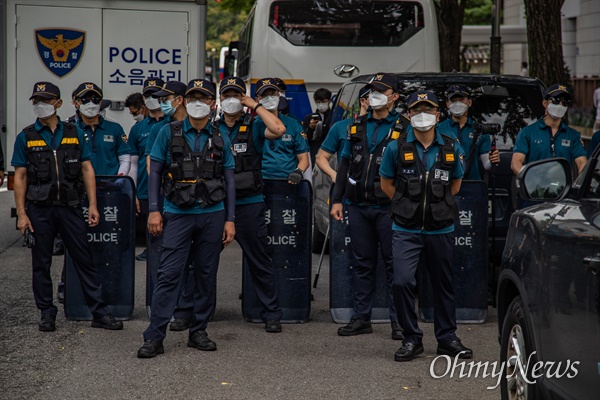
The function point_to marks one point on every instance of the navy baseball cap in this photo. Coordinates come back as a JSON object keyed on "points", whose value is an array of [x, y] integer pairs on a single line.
{"points": [[280, 84], [383, 81], [557, 90], [201, 85], [87, 87], [152, 85], [364, 92], [46, 90], [422, 96], [174, 88], [233, 83], [265, 84], [458, 90]]}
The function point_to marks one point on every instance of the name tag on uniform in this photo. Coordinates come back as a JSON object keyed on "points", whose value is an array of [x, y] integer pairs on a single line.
{"points": [[566, 142], [471, 135], [406, 171], [441, 174], [240, 147], [109, 138], [286, 137]]}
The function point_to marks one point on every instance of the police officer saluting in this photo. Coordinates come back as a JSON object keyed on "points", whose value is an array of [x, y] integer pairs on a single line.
{"points": [[52, 173], [197, 170], [421, 173], [250, 226]]}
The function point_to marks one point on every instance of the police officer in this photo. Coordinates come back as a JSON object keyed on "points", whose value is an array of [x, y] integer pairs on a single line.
{"points": [[137, 143], [285, 157], [421, 172], [250, 226], [52, 173], [110, 150], [197, 170], [367, 138], [549, 137], [475, 145]]}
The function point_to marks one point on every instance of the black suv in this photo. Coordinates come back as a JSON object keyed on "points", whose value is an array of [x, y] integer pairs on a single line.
{"points": [[549, 286], [510, 101]]}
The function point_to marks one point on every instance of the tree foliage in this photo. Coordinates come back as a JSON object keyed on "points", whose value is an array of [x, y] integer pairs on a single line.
{"points": [[224, 19], [478, 12]]}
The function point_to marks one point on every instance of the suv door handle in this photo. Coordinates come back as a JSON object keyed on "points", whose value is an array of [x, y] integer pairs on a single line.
{"points": [[592, 263]]}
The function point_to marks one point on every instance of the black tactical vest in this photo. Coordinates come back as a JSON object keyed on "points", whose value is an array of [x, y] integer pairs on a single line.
{"points": [[248, 178], [423, 199], [54, 176], [191, 177], [364, 182]]}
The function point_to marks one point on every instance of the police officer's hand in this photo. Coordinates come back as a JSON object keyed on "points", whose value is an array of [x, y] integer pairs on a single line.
{"points": [[337, 211], [495, 157], [249, 102], [155, 223], [23, 223], [228, 233], [93, 216], [313, 123], [295, 176]]}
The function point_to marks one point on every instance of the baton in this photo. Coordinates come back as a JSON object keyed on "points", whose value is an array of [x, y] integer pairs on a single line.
{"points": [[321, 257]]}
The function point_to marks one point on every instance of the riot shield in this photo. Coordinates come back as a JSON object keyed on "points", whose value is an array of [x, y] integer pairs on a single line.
{"points": [[288, 218], [470, 267], [112, 244]]}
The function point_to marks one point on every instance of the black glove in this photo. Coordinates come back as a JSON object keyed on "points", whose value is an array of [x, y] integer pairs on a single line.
{"points": [[295, 176], [28, 239]]}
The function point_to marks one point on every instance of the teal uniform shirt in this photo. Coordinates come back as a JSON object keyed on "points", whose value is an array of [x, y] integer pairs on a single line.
{"points": [[154, 133], [161, 152], [19, 157], [465, 138], [280, 155], [138, 136], [257, 141], [108, 142], [389, 168], [337, 137], [593, 143], [534, 142]]}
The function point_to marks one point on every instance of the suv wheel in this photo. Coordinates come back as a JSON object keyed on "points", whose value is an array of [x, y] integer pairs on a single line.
{"points": [[515, 350]]}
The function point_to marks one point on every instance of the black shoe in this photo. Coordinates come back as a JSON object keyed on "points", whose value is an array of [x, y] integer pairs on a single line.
{"points": [[60, 295], [408, 351], [107, 322], [201, 341], [150, 349], [397, 331], [355, 327], [142, 256], [180, 324], [454, 349], [47, 323], [59, 248], [273, 326]]}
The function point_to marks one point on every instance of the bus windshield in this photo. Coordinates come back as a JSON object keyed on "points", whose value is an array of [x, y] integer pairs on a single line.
{"points": [[345, 23]]}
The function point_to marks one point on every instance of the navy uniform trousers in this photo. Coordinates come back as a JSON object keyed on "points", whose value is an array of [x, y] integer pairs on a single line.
{"points": [[47, 221], [437, 251], [370, 231], [200, 234]]}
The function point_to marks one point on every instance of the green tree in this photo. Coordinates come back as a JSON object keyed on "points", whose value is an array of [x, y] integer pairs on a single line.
{"points": [[478, 12], [224, 20]]}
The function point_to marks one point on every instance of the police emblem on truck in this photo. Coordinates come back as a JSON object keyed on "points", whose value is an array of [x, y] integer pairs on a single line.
{"points": [[60, 50]]}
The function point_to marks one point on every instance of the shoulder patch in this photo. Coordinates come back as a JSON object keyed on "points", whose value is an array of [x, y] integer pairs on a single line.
{"points": [[124, 137], [303, 134]]}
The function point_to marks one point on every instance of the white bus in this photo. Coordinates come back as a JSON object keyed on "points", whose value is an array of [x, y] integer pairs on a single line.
{"points": [[321, 43]]}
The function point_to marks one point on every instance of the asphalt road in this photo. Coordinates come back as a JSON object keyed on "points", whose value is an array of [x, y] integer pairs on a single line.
{"points": [[305, 361]]}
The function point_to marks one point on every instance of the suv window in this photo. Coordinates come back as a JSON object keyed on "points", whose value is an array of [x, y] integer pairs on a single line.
{"points": [[346, 105]]}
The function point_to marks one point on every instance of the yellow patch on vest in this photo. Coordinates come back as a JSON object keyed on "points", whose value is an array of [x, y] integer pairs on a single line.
{"points": [[353, 130], [72, 140], [36, 143], [395, 135], [243, 128], [449, 157], [409, 156]]}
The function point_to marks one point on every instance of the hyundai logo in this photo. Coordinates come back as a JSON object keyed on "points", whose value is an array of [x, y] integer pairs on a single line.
{"points": [[346, 70]]}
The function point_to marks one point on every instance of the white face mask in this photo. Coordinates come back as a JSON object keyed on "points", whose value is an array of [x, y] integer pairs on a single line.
{"points": [[270, 102], [90, 109], [458, 108], [152, 103], [43, 110], [377, 100], [197, 109], [138, 118], [423, 121], [322, 107], [231, 105], [557, 111]]}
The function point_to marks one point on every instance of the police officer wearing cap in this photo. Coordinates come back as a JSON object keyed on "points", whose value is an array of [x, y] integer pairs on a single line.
{"points": [[420, 173], [549, 137], [250, 227], [138, 136], [52, 173], [370, 230], [196, 168], [477, 147], [285, 157], [110, 148]]}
